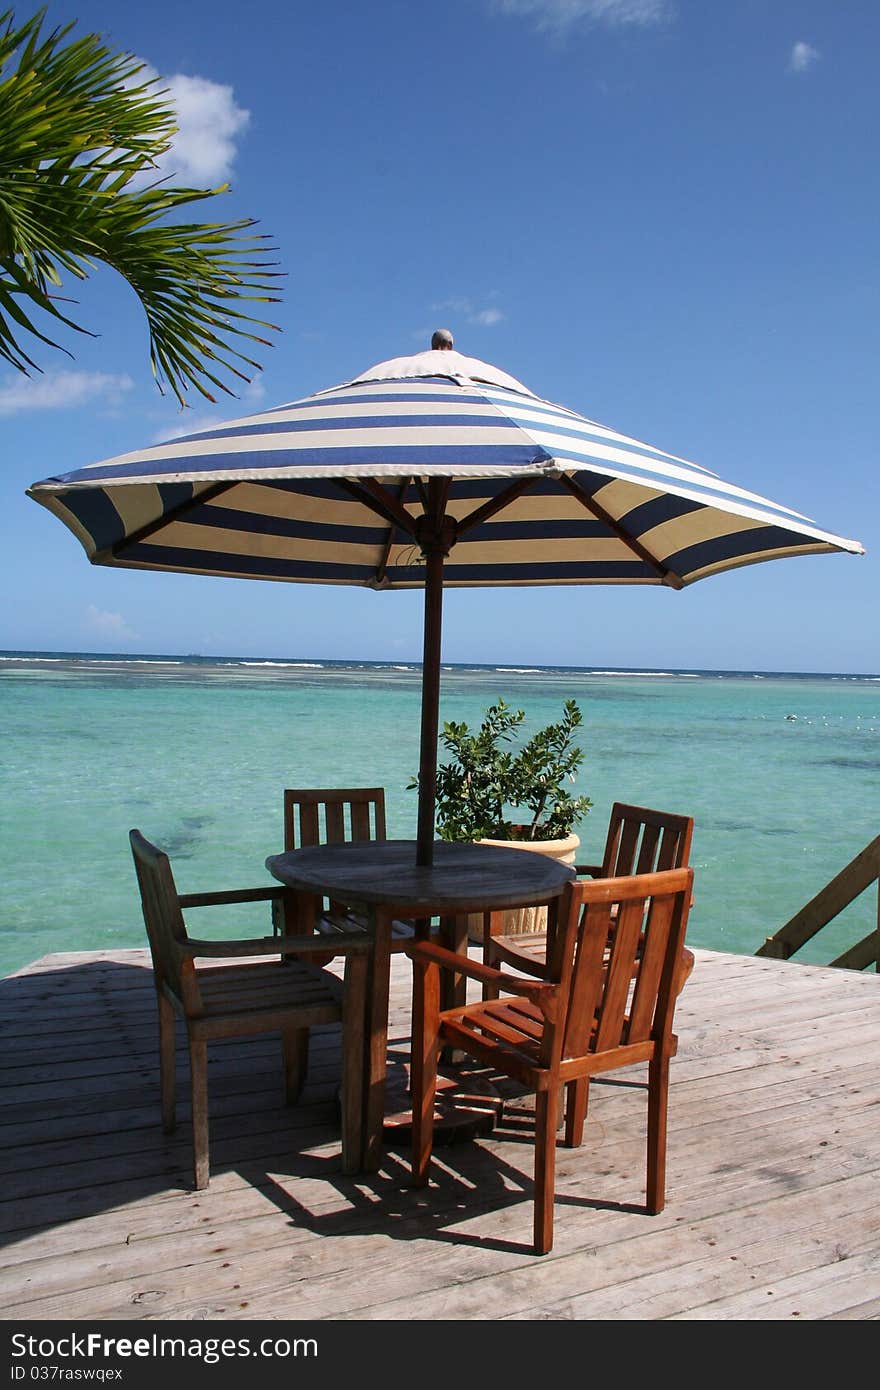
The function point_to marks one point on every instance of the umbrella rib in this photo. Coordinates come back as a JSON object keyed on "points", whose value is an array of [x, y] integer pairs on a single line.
{"points": [[143, 533], [667, 575], [374, 496], [389, 539], [495, 504]]}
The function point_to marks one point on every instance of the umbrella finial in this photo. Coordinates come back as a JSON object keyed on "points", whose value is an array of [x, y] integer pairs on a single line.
{"points": [[442, 338]]}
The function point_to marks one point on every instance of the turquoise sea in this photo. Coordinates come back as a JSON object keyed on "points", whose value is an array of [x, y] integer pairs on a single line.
{"points": [[781, 773]]}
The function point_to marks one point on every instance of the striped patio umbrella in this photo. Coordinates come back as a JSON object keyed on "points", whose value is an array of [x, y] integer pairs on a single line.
{"points": [[424, 471]]}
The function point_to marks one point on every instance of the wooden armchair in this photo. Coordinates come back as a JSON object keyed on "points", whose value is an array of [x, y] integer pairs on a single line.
{"points": [[333, 815], [608, 999], [234, 999], [638, 841]]}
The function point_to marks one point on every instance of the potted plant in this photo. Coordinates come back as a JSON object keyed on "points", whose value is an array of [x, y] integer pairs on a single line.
{"points": [[493, 792]]}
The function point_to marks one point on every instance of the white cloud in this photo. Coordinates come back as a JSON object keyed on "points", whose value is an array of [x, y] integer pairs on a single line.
{"points": [[254, 390], [802, 57], [483, 318], [564, 14], [209, 121], [63, 390], [108, 624], [190, 422]]}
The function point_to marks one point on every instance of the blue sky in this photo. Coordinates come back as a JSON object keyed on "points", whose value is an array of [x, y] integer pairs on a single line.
{"points": [[663, 215]]}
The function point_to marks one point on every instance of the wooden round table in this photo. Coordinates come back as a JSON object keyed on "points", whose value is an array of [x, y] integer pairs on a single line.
{"points": [[383, 878], [463, 877]]}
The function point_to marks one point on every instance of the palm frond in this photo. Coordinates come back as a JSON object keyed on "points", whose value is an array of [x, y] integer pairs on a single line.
{"points": [[79, 131]]}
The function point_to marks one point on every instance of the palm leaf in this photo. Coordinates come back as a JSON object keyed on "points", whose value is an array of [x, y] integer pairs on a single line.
{"points": [[79, 132]]}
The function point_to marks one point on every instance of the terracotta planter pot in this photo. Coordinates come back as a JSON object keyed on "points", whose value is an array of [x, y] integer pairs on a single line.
{"points": [[520, 920]]}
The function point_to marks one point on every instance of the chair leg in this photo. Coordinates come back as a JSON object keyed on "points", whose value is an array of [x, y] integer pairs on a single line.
{"points": [[658, 1097], [354, 1041], [577, 1096], [546, 1113], [167, 1062], [198, 1075], [376, 1061], [423, 1067], [295, 1057], [490, 920]]}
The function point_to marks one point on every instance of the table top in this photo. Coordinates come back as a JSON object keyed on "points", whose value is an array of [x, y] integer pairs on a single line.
{"points": [[463, 877]]}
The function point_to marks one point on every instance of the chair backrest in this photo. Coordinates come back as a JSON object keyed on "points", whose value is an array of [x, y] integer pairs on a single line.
{"points": [[616, 956], [643, 841], [332, 815], [163, 919]]}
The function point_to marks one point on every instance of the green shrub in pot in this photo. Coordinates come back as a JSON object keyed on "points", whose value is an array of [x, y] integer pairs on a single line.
{"points": [[492, 789]]}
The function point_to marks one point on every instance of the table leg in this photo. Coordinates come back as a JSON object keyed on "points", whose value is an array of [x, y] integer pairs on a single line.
{"points": [[453, 987], [465, 1105], [376, 1047]]}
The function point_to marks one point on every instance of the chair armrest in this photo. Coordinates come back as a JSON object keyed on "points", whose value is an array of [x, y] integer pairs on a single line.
{"points": [[593, 870], [475, 970], [345, 942], [233, 895]]}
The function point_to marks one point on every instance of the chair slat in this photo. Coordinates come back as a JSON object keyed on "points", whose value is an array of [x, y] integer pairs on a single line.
{"points": [[627, 844], [619, 973], [334, 814], [522, 1016], [586, 980], [652, 960], [309, 825], [669, 854], [647, 856]]}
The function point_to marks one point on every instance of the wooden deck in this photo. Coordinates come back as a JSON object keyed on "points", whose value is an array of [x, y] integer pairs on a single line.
{"points": [[774, 1171]]}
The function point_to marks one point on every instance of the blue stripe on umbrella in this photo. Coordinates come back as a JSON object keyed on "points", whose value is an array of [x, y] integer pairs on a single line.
{"points": [[755, 540], [404, 456], [271, 567], [571, 529], [647, 515], [97, 515], [263, 566], [352, 422], [258, 524]]}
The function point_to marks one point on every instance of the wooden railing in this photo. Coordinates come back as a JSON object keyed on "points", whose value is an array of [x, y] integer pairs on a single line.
{"points": [[858, 875]]}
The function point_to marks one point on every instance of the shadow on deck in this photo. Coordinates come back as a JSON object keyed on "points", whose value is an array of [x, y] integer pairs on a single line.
{"points": [[774, 1158]]}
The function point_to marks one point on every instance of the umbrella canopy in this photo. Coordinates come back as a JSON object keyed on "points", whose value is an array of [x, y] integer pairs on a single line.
{"points": [[430, 470]]}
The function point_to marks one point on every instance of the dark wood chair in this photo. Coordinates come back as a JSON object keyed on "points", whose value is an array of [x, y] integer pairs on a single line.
{"points": [[612, 979], [334, 815], [240, 998], [639, 841]]}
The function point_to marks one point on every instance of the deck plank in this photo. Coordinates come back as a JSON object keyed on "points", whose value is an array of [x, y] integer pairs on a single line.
{"points": [[774, 1157]]}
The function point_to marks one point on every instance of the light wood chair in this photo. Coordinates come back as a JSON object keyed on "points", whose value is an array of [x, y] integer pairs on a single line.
{"points": [[638, 841], [612, 979], [286, 996], [334, 815]]}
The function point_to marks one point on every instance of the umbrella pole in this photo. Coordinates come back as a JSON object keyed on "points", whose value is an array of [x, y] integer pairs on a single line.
{"points": [[434, 558]]}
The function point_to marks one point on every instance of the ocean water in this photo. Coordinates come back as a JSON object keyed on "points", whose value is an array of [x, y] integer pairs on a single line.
{"points": [[780, 772]]}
